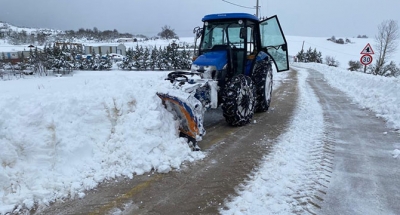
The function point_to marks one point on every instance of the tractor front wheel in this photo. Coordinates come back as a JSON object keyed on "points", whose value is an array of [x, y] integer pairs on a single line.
{"points": [[239, 98]]}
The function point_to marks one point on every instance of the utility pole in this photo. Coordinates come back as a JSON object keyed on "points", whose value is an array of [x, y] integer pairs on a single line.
{"points": [[257, 6]]}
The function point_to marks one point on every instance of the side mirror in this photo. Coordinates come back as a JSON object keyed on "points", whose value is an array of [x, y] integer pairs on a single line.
{"points": [[284, 47], [243, 33]]}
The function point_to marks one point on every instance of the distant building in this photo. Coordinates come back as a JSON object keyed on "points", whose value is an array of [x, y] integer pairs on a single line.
{"points": [[77, 46], [126, 40], [14, 56], [106, 48]]}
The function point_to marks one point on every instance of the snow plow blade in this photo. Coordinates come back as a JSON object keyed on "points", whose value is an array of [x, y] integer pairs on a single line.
{"points": [[189, 111]]}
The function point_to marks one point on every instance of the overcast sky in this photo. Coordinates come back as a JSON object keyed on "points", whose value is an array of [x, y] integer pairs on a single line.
{"points": [[344, 18]]}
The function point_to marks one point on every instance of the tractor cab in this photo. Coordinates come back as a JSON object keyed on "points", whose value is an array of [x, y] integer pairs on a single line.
{"points": [[230, 44]]}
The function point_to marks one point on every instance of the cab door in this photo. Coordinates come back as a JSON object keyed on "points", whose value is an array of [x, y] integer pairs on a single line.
{"points": [[274, 42]]}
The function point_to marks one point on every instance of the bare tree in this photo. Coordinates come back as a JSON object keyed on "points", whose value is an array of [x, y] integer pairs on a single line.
{"points": [[388, 33], [168, 33]]}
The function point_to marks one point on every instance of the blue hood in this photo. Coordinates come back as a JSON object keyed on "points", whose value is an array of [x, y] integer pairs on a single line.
{"points": [[214, 58]]}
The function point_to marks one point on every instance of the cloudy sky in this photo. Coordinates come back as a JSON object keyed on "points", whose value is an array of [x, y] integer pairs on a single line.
{"points": [[344, 18]]}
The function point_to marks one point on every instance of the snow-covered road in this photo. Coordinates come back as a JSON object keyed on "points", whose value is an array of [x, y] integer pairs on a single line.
{"points": [[365, 177], [336, 158], [290, 176]]}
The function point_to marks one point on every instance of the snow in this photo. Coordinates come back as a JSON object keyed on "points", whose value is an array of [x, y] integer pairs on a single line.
{"points": [[62, 136], [343, 53], [396, 153], [11, 48], [272, 186], [376, 93]]}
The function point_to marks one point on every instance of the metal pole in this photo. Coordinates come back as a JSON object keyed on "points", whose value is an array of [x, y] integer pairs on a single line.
{"points": [[257, 6], [302, 51]]}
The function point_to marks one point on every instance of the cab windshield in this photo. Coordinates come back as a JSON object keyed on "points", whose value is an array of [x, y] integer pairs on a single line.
{"points": [[222, 33]]}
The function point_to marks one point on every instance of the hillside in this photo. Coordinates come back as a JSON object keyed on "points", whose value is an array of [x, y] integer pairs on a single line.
{"points": [[341, 52]]}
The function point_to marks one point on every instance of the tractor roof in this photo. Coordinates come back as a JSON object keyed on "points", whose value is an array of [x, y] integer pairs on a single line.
{"points": [[220, 16]]}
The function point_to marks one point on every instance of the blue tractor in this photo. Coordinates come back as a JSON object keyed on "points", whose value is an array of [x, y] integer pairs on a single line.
{"points": [[232, 70]]}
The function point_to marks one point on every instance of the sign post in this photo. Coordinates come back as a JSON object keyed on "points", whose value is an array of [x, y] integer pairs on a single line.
{"points": [[366, 57]]}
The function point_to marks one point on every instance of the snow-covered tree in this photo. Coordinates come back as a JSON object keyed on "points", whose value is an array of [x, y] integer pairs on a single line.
{"points": [[153, 58], [127, 62], [145, 58]]}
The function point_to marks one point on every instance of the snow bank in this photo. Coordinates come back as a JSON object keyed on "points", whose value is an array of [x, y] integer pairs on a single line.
{"points": [[62, 136], [377, 93], [287, 170], [396, 153]]}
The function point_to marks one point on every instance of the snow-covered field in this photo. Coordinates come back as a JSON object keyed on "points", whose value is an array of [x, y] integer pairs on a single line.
{"points": [[60, 136], [343, 53]]}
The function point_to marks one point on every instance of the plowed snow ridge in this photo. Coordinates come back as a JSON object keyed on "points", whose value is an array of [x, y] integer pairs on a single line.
{"points": [[288, 177]]}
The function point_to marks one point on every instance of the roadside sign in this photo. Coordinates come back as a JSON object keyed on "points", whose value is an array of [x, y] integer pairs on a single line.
{"points": [[367, 50], [366, 59]]}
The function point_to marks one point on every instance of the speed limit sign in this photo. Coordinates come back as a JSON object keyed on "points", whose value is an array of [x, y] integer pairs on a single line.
{"points": [[366, 59]]}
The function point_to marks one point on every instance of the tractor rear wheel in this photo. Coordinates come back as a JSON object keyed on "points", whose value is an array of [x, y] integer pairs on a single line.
{"points": [[262, 77], [239, 98]]}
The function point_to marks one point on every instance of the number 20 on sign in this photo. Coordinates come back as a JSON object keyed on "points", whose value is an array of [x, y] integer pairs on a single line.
{"points": [[366, 59]]}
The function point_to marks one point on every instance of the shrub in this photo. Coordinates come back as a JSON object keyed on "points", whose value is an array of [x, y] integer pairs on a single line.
{"points": [[340, 41], [331, 61], [311, 56], [355, 65]]}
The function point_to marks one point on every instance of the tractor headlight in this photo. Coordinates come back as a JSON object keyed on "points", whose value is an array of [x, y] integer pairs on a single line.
{"points": [[209, 73], [206, 72], [194, 68]]}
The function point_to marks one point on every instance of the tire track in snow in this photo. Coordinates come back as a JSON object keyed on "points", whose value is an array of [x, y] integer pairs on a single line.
{"points": [[294, 177]]}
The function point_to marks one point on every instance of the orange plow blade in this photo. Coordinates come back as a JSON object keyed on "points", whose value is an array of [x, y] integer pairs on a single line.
{"points": [[189, 112]]}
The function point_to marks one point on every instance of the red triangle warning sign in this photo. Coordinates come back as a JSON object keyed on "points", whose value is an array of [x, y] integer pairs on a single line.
{"points": [[367, 50]]}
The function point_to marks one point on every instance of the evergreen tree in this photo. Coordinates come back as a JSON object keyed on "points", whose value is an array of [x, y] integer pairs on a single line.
{"points": [[127, 61], [153, 58], [160, 59], [301, 56], [145, 58], [313, 56], [173, 56], [186, 59], [308, 56], [105, 62], [168, 54], [92, 61], [137, 53]]}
